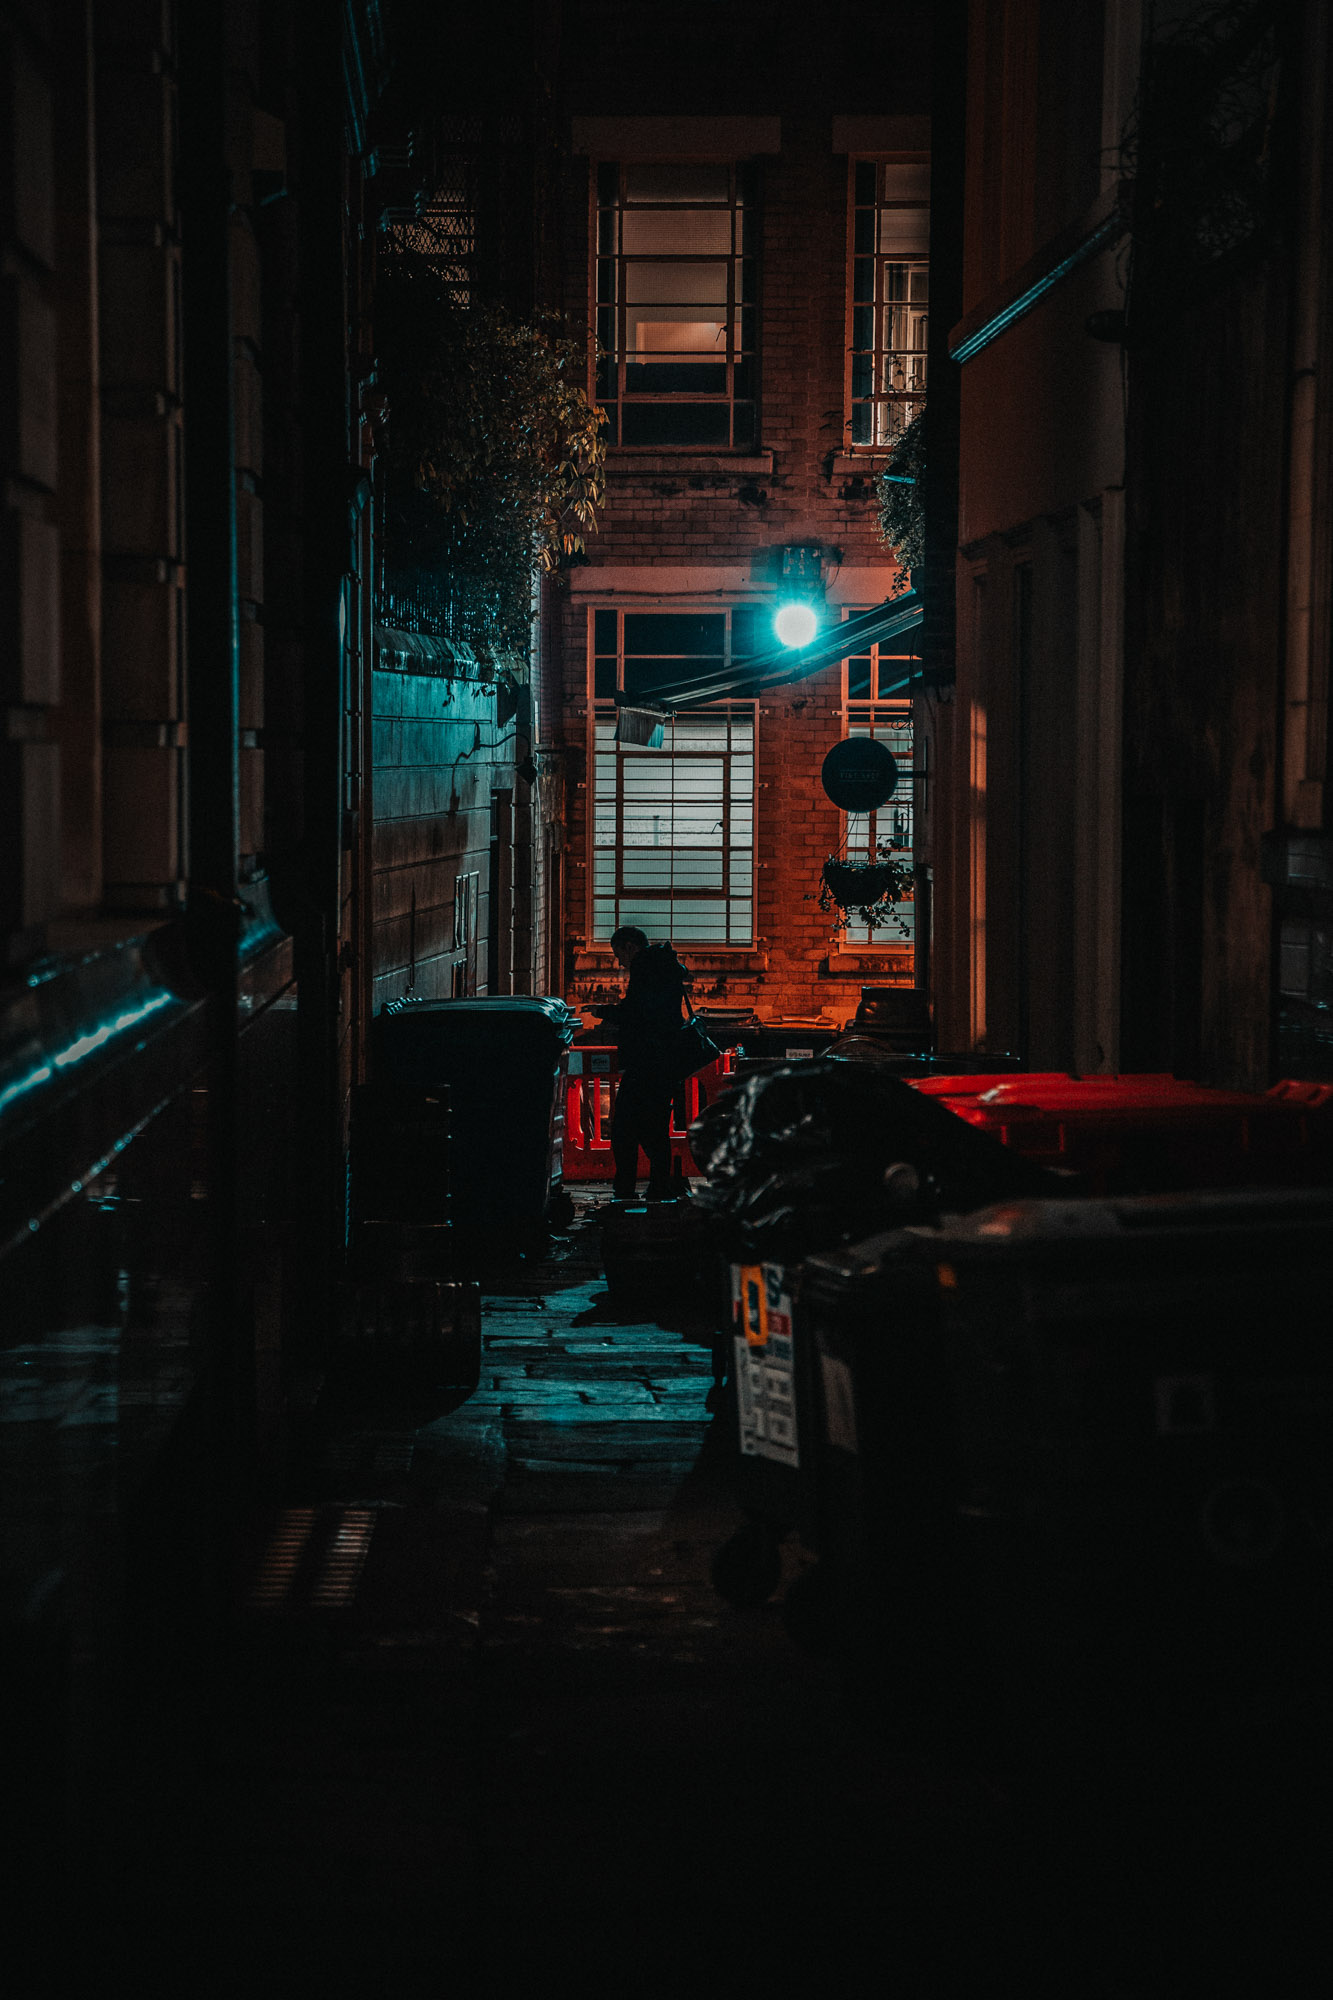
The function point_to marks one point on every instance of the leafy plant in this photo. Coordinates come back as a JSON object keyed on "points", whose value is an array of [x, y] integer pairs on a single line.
{"points": [[497, 461], [902, 520], [867, 891]]}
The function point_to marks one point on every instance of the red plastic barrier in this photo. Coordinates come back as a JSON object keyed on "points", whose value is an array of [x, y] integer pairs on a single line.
{"points": [[591, 1081], [1128, 1133]]}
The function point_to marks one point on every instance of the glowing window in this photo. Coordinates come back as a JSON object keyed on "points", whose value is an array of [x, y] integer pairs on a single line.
{"points": [[673, 828], [675, 303], [888, 306]]}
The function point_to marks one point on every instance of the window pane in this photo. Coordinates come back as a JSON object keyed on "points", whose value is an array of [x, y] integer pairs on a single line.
{"points": [[904, 232], [743, 426], [661, 378], [858, 679], [692, 284], [643, 677], [676, 423], [675, 180], [907, 181], [744, 631], [606, 232], [672, 631], [608, 182], [604, 679], [604, 631], [676, 232], [865, 183], [863, 232]]}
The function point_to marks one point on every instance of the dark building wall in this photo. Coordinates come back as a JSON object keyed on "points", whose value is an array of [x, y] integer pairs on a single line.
{"points": [[185, 725], [1027, 905]]}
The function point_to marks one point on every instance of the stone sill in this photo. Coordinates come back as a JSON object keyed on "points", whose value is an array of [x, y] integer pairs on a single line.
{"points": [[866, 464], [715, 958], [883, 966], [629, 461]]}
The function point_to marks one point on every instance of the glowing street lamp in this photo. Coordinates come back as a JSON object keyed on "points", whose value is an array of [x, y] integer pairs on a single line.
{"points": [[801, 592], [796, 623]]}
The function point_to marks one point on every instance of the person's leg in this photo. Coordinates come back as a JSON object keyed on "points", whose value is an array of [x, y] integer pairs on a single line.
{"points": [[655, 1138], [625, 1137]]}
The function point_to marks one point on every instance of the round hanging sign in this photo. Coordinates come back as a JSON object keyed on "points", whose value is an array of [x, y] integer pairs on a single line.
{"points": [[860, 774]]}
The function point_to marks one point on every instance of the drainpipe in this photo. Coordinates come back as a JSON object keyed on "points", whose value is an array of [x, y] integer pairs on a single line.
{"points": [[1305, 731]]}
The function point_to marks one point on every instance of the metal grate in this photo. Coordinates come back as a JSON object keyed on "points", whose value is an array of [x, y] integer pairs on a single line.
{"points": [[313, 1560]]}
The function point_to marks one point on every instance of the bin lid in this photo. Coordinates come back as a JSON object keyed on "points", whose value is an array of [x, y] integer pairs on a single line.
{"points": [[445, 1040], [485, 1006]]}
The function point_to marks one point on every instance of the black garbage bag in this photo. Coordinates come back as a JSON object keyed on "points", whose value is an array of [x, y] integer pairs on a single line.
{"points": [[797, 1158], [783, 1214]]}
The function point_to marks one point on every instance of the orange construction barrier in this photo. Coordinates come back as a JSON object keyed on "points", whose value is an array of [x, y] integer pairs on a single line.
{"points": [[591, 1081]]}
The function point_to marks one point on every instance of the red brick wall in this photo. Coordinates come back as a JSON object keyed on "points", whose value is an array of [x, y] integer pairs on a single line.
{"points": [[712, 510]]}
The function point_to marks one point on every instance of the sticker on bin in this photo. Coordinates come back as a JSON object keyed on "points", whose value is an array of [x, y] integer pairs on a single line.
{"points": [[760, 1302], [765, 1402]]}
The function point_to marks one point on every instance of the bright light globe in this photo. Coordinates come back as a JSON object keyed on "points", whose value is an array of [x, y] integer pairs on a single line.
{"points": [[795, 624]]}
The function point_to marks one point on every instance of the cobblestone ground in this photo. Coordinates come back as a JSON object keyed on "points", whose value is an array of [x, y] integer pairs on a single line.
{"points": [[483, 1721]]}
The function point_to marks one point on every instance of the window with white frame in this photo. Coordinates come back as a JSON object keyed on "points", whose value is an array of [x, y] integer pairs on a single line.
{"points": [[675, 293], [889, 298], [673, 828], [868, 712]]}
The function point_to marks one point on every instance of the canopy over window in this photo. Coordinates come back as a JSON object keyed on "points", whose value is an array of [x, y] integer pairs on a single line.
{"points": [[747, 680]]}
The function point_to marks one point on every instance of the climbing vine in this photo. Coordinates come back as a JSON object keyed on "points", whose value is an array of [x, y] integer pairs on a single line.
{"points": [[902, 520]]}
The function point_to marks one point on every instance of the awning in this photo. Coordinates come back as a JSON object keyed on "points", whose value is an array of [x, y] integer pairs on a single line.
{"points": [[746, 680]]}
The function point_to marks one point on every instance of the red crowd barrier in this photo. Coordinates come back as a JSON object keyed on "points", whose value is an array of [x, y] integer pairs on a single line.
{"points": [[591, 1081]]}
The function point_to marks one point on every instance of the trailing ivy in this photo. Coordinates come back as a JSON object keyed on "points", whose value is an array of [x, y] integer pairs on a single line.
{"points": [[497, 461], [902, 520]]}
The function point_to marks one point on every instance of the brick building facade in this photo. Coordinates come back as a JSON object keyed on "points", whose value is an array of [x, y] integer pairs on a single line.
{"points": [[695, 528]]}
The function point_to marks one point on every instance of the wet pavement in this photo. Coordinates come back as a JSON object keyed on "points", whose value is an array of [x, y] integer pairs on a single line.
{"points": [[479, 1718]]}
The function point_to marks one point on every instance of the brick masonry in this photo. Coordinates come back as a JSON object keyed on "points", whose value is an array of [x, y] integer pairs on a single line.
{"points": [[735, 512]]}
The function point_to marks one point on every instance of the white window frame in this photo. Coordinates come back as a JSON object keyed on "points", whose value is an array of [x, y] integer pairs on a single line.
{"points": [[890, 718], [602, 712], [609, 386], [908, 396]]}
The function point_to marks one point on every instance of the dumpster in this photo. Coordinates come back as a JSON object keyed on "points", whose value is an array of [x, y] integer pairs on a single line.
{"points": [[1143, 1396], [1127, 1134], [1132, 1404], [656, 1253], [880, 1508], [790, 1038], [502, 1061], [798, 1161]]}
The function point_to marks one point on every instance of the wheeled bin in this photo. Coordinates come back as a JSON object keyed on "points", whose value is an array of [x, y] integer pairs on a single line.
{"points": [[880, 1516], [1152, 1133], [655, 1253], [798, 1162], [502, 1060], [765, 1415], [1141, 1397]]}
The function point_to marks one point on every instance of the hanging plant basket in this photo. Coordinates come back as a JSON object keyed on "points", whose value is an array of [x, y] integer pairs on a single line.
{"points": [[867, 892], [855, 884]]}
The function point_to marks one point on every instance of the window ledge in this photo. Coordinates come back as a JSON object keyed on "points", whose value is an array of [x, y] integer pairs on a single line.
{"points": [[697, 958], [630, 460], [850, 464], [874, 959]]}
